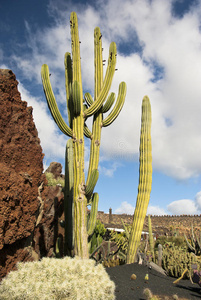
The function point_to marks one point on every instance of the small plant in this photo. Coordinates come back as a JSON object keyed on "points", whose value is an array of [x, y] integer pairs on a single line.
{"points": [[195, 244], [148, 294], [56, 279], [121, 239], [52, 181], [97, 237]]}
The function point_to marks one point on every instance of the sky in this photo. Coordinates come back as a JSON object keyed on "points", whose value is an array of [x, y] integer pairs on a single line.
{"points": [[159, 55]]}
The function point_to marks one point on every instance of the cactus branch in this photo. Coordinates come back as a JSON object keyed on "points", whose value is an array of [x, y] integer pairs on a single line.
{"points": [[52, 102], [118, 106], [109, 102], [145, 181], [93, 214]]}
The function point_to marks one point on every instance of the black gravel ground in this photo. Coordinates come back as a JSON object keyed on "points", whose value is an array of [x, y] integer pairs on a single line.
{"points": [[158, 283]]}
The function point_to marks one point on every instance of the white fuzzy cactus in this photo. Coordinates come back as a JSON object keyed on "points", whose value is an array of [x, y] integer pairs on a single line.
{"points": [[54, 279]]}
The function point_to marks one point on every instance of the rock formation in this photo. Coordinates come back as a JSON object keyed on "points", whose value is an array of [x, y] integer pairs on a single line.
{"points": [[20, 173]]}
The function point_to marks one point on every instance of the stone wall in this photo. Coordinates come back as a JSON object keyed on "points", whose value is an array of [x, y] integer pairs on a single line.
{"points": [[160, 224]]}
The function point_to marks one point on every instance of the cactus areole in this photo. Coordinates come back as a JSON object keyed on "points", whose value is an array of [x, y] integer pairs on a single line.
{"points": [[145, 182], [79, 192]]}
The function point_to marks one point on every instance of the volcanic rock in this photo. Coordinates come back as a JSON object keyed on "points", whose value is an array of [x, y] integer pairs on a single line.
{"points": [[20, 174]]}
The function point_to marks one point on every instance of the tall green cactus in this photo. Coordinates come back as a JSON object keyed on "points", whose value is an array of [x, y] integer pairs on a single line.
{"points": [[151, 240], [145, 181], [78, 194]]}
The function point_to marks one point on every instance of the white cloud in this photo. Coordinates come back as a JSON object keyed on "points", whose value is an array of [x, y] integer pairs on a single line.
{"points": [[182, 207], [125, 208], [109, 171], [171, 43], [53, 143], [198, 200], [156, 211]]}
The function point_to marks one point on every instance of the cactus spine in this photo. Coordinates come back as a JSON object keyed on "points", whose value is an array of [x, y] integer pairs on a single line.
{"points": [[145, 181], [78, 194]]}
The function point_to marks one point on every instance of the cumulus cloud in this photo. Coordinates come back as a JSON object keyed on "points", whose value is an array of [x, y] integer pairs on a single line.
{"points": [[156, 211], [158, 55], [184, 206], [125, 208], [198, 201], [53, 143]]}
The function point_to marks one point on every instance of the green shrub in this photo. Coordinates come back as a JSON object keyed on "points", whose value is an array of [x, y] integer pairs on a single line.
{"points": [[52, 181], [51, 278], [177, 240], [177, 259]]}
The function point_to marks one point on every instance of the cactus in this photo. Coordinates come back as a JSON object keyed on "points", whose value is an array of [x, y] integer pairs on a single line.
{"points": [[195, 245], [160, 254], [50, 278], [151, 240], [78, 192], [177, 259], [145, 181]]}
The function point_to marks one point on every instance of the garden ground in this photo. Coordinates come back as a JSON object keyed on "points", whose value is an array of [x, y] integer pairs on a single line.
{"points": [[159, 284]]}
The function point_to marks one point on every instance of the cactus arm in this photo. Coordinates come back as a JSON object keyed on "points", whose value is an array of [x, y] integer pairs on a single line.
{"points": [[192, 237], [118, 106], [87, 132], [189, 245], [92, 182], [75, 45], [145, 181], [68, 198], [97, 120], [106, 84], [52, 102], [151, 240], [68, 84], [88, 98], [76, 98], [125, 228], [109, 102], [93, 214]]}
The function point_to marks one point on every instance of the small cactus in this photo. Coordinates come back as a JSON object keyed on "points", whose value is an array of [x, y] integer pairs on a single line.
{"points": [[133, 277], [52, 278]]}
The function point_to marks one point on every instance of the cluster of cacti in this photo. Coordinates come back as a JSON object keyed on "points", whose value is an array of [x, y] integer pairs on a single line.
{"points": [[176, 260], [121, 239], [78, 192], [51, 278], [195, 244], [53, 181], [106, 254], [145, 182]]}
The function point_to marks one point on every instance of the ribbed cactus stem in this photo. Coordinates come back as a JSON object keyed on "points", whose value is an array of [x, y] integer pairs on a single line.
{"points": [[45, 74], [97, 119], [68, 198], [145, 181], [80, 202], [151, 240], [93, 214], [77, 192]]}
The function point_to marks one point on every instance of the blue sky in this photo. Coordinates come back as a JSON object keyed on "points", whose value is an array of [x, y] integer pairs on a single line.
{"points": [[159, 55]]}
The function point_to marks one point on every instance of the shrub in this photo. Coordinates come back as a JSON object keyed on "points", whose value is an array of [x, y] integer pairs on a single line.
{"points": [[54, 279], [52, 181], [177, 240]]}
